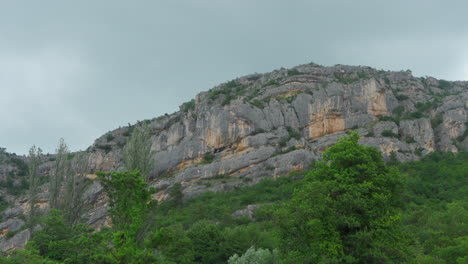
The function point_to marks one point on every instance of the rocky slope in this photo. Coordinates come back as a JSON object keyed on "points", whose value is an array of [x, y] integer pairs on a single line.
{"points": [[266, 125]]}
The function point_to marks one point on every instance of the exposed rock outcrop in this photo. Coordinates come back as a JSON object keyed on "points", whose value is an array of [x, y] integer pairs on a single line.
{"points": [[267, 125]]}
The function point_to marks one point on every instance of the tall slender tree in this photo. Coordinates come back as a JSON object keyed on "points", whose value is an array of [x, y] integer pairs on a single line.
{"points": [[137, 152], [75, 184], [61, 169], [34, 158]]}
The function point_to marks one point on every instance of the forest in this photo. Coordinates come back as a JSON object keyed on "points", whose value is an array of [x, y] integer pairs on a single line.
{"points": [[352, 207]]}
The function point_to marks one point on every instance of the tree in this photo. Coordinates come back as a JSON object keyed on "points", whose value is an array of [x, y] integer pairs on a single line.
{"points": [[61, 169], [59, 241], [130, 207], [208, 240], [347, 211], [173, 243], [255, 256], [34, 157], [76, 183], [137, 152]]}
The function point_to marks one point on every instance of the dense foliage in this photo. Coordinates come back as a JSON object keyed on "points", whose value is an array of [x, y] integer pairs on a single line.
{"points": [[347, 210], [351, 208]]}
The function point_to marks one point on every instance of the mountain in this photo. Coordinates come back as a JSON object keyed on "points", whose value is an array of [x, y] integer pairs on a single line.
{"points": [[267, 125]]}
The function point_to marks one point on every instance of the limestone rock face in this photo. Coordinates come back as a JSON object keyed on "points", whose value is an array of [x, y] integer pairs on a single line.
{"points": [[16, 242], [267, 125]]}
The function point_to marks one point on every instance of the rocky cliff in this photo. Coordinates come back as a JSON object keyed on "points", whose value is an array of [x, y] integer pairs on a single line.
{"points": [[266, 125]]}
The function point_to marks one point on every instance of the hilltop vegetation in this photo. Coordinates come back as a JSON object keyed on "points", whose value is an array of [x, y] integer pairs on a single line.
{"points": [[351, 208]]}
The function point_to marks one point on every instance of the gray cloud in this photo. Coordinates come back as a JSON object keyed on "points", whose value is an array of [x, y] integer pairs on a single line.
{"points": [[76, 70]]}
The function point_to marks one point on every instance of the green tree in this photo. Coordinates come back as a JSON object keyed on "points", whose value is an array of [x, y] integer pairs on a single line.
{"points": [[255, 256], [347, 211], [174, 244], [34, 158], [76, 183], [137, 154], [59, 241], [60, 171], [207, 241], [131, 211]]}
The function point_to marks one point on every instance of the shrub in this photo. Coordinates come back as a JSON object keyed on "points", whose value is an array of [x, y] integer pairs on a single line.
{"points": [[345, 80], [399, 110], [292, 72], [414, 115], [188, 106], [424, 106], [228, 99], [208, 158], [418, 151], [410, 140], [443, 84], [388, 118], [292, 148], [362, 75], [271, 83], [258, 103], [106, 148], [438, 119], [109, 137], [389, 133], [283, 141], [293, 133], [401, 97]]}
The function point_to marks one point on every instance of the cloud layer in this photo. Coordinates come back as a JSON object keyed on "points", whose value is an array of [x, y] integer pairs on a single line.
{"points": [[76, 70]]}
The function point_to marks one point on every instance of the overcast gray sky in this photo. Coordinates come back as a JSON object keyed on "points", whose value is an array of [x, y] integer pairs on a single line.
{"points": [[77, 69]]}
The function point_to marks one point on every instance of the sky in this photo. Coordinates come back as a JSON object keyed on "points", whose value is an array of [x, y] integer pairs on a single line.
{"points": [[77, 69]]}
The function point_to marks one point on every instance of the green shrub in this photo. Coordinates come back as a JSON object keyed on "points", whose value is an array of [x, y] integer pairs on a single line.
{"points": [[437, 120], [418, 151], [106, 148], [227, 99], [389, 133], [283, 141], [443, 84], [109, 137], [410, 140], [208, 158], [292, 148], [389, 118], [293, 133], [362, 75], [424, 106], [401, 97], [292, 72], [399, 110], [271, 83], [258, 103], [188, 106], [414, 115]]}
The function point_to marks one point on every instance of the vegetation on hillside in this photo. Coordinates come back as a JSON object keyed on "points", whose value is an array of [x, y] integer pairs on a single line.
{"points": [[351, 208]]}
